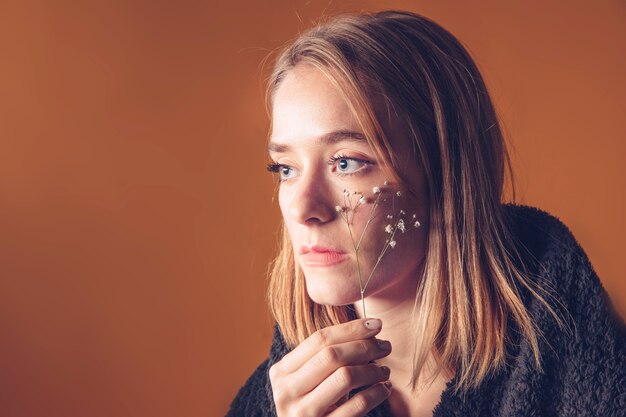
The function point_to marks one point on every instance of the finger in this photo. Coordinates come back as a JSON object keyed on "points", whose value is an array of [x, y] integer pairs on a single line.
{"points": [[333, 390], [340, 333], [363, 402], [331, 358], [342, 400], [338, 403]]}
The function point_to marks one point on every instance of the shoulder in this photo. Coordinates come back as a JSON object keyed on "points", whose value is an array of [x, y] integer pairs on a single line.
{"points": [[557, 261], [549, 249], [540, 232], [584, 362], [568, 282]]}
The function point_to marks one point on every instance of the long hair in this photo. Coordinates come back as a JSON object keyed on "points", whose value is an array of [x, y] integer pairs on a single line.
{"points": [[473, 277]]}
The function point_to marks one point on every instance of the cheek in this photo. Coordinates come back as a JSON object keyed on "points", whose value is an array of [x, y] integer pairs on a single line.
{"points": [[285, 198], [284, 202], [376, 234], [367, 228]]}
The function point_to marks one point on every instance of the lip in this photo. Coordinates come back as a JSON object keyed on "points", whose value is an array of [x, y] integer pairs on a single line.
{"points": [[321, 256]]}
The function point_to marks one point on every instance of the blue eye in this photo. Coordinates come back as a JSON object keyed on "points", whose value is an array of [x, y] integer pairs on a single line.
{"points": [[341, 164], [344, 165], [284, 171], [347, 165]]}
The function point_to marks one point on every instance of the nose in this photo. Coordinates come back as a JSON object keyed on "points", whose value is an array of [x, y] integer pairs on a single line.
{"points": [[313, 202]]}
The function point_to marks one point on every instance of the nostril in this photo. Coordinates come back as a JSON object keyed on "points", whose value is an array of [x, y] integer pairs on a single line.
{"points": [[312, 196], [312, 209]]}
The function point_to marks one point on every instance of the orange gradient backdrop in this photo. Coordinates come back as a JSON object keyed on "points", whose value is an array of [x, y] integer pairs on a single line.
{"points": [[136, 219]]}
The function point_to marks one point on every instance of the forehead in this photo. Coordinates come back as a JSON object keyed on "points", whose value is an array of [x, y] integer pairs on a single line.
{"points": [[308, 104]]}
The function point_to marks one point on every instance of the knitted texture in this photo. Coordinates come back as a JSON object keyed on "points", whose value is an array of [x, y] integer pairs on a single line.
{"points": [[584, 369]]}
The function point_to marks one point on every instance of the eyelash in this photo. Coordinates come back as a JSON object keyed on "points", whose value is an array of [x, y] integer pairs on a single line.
{"points": [[275, 168], [333, 159]]}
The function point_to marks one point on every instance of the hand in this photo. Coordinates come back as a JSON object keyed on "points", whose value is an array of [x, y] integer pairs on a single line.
{"points": [[314, 378]]}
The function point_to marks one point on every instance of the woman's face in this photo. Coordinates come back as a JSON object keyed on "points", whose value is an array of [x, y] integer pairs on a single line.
{"points": [[319, 152]]}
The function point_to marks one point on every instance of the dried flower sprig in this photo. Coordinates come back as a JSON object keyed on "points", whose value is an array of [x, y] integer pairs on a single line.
{"points": [[397, 222]]}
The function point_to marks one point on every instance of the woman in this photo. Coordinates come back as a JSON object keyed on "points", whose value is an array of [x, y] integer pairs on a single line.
{"points": [[391, 167]]}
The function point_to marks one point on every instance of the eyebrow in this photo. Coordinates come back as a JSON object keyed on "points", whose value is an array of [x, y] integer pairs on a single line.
{"points": [[327, 138]]}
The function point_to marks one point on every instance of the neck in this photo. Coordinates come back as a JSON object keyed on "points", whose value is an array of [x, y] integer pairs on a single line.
{"points": [[394, 306], [397, 328]]}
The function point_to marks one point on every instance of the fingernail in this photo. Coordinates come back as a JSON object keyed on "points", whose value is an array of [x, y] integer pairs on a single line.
{"points": [[373, 324], [387, 385], [384, 344], [386, 371]]}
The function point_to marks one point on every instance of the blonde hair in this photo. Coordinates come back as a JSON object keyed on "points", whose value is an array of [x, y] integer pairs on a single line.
{"points": [[473, 276]]}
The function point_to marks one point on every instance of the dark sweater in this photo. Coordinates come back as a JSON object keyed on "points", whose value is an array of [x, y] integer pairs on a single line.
{"points": [[584, 371]]}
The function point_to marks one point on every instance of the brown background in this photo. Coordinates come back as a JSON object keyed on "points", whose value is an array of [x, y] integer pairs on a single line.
{"points": [[136, 220]]}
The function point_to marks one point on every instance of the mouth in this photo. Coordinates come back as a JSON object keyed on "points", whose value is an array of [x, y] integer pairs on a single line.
{"points": [[319, 256]]}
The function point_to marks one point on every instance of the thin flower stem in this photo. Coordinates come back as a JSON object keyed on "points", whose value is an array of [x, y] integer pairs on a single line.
{"points": [[382, 254], [358, 245], [363, 303], [348, 212], [351, 209], [356, 251], [358, 268], [370, 217]]}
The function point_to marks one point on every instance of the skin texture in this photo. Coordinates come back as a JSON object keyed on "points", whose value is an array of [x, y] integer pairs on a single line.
{"points": [[307, 107], [314, 172], [315, 378]]}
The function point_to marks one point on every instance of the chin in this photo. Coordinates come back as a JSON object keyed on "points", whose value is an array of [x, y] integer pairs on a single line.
{"points": [[335, 295]]}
